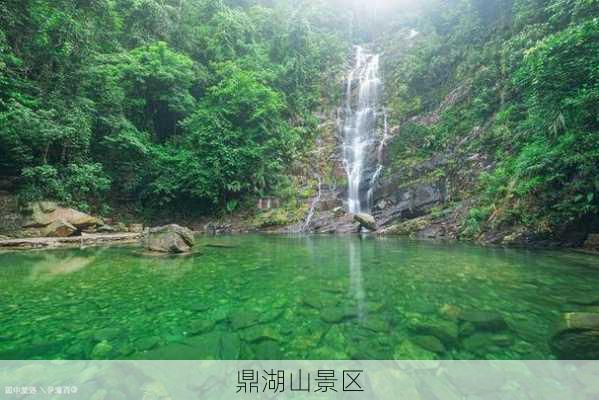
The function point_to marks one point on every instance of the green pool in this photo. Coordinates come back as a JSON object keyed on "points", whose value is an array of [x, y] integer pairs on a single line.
{"points": [[290, 297]]}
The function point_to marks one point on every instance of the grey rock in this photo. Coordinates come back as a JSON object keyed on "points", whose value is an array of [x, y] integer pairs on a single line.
{"points": [[170, 239], [366, 221], [407, 202]]}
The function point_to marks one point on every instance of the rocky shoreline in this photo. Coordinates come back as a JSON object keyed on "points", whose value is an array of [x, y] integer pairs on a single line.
{"points": [[48, 225], [76, 241]]}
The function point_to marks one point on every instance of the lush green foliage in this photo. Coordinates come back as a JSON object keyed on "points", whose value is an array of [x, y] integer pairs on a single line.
{"points": [[204, 104], [516, 81], [158, 102]]}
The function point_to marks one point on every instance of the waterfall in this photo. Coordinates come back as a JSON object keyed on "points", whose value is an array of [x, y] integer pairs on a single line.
{"points": [[312, 211], [362, 113]]}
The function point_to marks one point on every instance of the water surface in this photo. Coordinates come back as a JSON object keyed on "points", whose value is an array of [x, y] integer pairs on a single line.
{"points": [[280, 297]]}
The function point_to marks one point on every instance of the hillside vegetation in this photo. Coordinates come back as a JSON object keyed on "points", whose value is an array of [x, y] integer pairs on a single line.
{"points": [[514, 82], [160, 106]]}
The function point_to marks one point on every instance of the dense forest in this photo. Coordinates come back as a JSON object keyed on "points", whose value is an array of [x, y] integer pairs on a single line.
{"points": [[160, 103], [154, 105]]}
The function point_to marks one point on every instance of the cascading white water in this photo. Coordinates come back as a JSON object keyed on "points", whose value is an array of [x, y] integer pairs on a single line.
{"points": [[360, 129]]}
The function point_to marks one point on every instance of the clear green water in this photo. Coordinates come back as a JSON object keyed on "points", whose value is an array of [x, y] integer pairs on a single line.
{"points": [[271, 297]]}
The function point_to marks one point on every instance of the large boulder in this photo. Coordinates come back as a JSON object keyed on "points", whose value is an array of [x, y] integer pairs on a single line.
{"points": [[592, 242], [135, 228], [366, 221], [170, 239], [576, 336], [43, 213], [59, 228]]}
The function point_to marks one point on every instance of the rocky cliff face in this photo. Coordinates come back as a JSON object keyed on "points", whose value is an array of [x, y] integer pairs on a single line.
{"points": [[430, 199], [10, 218]]}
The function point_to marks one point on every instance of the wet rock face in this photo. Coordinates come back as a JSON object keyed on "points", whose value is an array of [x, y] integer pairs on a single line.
{"points": [[170, 239], [577, 336], [406, 203]]}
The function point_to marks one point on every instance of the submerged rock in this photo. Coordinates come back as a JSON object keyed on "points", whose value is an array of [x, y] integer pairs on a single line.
{"points": [[446, 331], [101, 351], [410, 351], [335, 315], [244, 319], [485, 320], [268, 350], [107, 334], [230, 346], [206, 347], [200, 326], [261, 332], [376, 324], [147, 343], [576, 336], [366, 221], [484, 343], [430, 343], [170, 239]]}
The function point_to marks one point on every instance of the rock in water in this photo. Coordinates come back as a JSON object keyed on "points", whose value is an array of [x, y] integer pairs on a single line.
{"points": [[59, 229], [366, 221], [491, 321], [577, 336], [170, 239]]}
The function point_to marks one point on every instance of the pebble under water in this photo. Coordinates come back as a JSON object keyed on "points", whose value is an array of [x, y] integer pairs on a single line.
{"points": [[290, 297]]}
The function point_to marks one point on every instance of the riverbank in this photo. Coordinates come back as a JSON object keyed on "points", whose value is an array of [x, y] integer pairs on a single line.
{"points": [[76, 241]]}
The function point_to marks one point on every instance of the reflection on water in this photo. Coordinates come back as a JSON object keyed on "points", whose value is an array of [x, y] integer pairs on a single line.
{"points": [[290, 297], [355, 275], [52, 266]]}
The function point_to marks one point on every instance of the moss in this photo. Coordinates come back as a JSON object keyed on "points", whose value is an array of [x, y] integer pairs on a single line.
{"points": [[287, 215], [409, 228]]}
